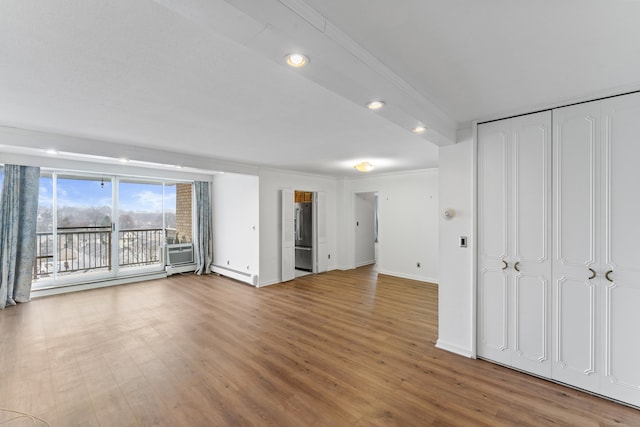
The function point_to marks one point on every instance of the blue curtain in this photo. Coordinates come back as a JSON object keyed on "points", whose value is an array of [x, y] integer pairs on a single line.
{"points": [[204, 231], [18, 218]]}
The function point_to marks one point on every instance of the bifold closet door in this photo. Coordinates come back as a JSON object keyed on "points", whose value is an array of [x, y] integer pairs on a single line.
{"points": [[596, 259], [576, 329], [621, 254], [514, 278], [494, 281]]}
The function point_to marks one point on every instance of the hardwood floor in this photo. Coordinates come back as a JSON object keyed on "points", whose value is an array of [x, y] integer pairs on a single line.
{"points": [[336, 349]]}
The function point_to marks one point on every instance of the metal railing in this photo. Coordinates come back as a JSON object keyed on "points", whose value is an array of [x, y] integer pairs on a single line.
{"points": [[89, 249], [139, 246]]}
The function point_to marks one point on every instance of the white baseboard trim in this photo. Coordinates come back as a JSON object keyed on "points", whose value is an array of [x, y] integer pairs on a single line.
{"points": [[454, 348], [65, 289], [362, 264], [251, 279], [269, 283], [409, 276]]}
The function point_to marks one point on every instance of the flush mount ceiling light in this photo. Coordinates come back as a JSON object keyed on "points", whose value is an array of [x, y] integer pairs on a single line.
{"points": [[297, 60], [419, 129], [375, 105], [364, 167]]}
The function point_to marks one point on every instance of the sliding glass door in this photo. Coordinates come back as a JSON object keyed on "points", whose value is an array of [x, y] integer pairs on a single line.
{"points": [[84, 238], [93, 228], [141, 227]]}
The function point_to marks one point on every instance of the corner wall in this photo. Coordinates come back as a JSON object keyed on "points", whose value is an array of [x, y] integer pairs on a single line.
{"points": [[456, 290], [408, 223]]}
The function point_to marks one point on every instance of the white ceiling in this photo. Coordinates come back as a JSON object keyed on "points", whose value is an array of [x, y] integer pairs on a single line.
{"points": [[206, 78]]}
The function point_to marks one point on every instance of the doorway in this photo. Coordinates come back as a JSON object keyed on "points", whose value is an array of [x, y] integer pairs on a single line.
{"points": [[318, 250], [303, 220], [365, 228]]}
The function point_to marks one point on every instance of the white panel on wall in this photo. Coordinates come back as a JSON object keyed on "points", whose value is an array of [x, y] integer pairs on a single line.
{"points": [[236, 216], [320, 204], [456, 281]]}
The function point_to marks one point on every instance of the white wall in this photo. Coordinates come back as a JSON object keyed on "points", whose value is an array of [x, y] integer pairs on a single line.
{"points": [[236, 218], [364, 228], [408, 223], [456, 291], [271, 182]]}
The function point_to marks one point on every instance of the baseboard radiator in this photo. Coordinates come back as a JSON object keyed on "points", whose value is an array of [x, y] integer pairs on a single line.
{"points": [[251, 279]]}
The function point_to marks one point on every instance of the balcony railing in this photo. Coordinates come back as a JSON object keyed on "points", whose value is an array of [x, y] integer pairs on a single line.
{"points": [[89, 249]]}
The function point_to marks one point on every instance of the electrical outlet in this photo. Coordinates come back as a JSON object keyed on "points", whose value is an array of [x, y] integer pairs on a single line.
{"points": [[418, 264]]}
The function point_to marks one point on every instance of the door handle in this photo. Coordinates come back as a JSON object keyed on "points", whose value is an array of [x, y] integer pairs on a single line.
{"points": [[593, 273], [515, 266], [607, 275], [505, 265]]}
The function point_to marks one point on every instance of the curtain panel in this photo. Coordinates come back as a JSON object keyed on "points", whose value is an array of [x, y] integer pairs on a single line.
{"points": [[18, 220], [204, 232]]}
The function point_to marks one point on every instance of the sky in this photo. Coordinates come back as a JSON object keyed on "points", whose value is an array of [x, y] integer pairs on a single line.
{"points": [[136, 197]]}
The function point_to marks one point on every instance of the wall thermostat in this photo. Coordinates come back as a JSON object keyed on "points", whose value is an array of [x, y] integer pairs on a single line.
{"points": [[448, 213]]}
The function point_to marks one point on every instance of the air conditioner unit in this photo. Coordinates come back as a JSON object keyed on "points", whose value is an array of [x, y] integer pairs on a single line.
{"points": [[179, 254]]}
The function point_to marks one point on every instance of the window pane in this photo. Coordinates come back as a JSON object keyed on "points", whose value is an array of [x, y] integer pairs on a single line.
{"points": [[84, 202], [84, 224], [140, 206]]}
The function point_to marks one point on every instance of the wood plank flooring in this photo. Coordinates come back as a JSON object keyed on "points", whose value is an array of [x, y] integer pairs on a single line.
{"points": [[336, 349]]}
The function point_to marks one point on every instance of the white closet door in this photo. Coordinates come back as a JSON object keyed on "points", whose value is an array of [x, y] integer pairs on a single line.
{"points": [[514, 254], [576, 245], [288, 237], [493, 210], [531, 248], [621, 234]]}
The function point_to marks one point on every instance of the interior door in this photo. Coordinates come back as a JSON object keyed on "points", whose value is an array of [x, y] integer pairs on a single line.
{"points": [[530, 231], [493, 251], [577, 279], [621, 234], [288, 236], [514, 255]]}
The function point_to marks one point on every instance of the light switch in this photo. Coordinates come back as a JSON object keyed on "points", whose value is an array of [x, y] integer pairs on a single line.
{"points": [[463, 242]]}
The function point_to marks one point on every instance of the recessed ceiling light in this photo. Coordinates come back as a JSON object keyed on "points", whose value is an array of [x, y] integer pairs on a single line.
{"points": [[297, 60], [123, 160], [375, 105], [364, 167], [419, 129], [178, 166], [51, 151]]}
